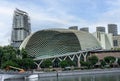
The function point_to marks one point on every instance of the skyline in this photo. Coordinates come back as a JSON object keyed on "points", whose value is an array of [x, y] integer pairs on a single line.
{"points": [[59, 14]]}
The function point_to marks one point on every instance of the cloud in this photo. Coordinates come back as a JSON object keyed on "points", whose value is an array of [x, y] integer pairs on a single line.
{"points": [[4, 34], [5, 11], [113, 3], [111, 15], [50, 20], [5, 24], [59, 13]]}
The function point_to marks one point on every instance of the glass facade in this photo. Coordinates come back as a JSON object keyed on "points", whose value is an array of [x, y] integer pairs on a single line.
{"points": [[52, 43], [20, 28], [115, 42], [58, 42]]}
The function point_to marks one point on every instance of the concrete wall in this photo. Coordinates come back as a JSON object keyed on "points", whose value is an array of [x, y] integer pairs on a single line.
{"points": [[101, 55]]}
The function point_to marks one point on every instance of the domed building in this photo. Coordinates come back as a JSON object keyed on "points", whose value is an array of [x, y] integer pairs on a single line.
{"points": [[51, 43]]}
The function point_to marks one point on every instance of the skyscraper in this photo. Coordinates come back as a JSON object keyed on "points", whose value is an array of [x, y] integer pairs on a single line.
{"points": [[100, 29], [74, 27], [21, 27], [112, 28], [85, 29]]}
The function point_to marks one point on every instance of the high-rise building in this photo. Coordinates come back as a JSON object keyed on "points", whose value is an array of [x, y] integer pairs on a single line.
{"points": [[21, 27], [74, 27], [85, 29], [100, 29], [112, 28]]}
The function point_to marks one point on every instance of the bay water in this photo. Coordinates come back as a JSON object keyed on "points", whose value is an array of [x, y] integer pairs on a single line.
{"points": [[93, 77]]}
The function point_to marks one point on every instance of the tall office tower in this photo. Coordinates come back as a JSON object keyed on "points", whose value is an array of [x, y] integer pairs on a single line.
{"points": [[74, 27], [85, 29], [112, 28], [100, 29], [21, 27]]}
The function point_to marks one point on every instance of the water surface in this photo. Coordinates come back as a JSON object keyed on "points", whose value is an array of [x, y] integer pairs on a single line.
{"points": [[95, 77]]}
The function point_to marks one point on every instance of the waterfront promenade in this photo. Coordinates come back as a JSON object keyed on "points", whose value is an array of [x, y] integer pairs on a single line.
{"points": [[76, 72], [8, 75], [12, 75]]}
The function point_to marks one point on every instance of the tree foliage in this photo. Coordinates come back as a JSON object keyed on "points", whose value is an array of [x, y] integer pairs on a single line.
{"points": [[27, 63], [24, 53], [71, 63], [118, 61], [92, 60], [109, 59], [85, 64], [103, 63], [47, 63], [9, 63], [10, 56], [64, 63], [1, 55]]}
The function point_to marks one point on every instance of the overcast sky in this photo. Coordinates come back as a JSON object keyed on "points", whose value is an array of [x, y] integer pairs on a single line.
{"points": [[59, 14]]}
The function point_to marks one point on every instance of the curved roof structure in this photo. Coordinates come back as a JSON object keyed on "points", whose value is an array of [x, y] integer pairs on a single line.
{"points": [[53, 42]]}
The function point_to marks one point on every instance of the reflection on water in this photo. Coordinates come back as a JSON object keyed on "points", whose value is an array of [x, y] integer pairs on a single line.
{"points": [[97, 77]]}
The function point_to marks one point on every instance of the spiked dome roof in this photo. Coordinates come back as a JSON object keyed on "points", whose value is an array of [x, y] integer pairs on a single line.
{"points": [[53, 42]]}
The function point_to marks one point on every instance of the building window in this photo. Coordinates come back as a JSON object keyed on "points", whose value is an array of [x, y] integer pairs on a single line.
{"points": [[115, 42]]}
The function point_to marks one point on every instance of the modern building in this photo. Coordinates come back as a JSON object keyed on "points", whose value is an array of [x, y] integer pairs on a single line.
{"points": [[85, 29], [105, 40], [74, 27], [59, 44], [21, 27], [100, 29], [116, 41], [112, 28]]}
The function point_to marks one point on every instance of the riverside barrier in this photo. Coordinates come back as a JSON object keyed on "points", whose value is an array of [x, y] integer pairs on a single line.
{"points": [[76, 72], [12, 75], [5, 75]]}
